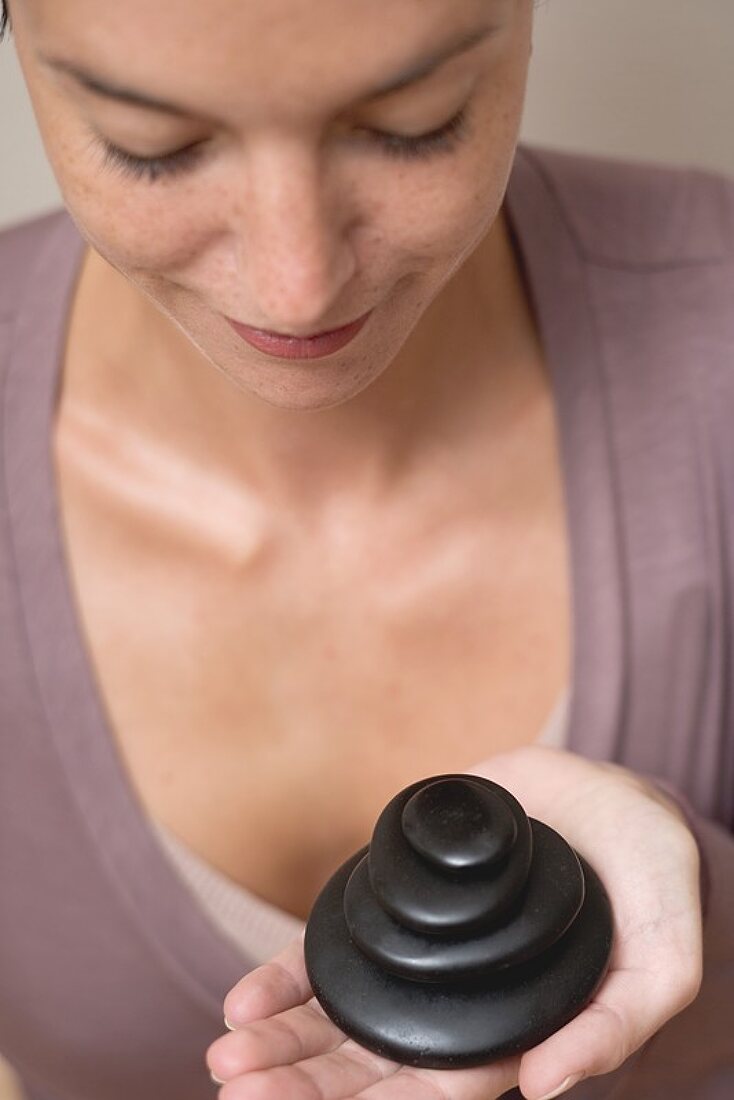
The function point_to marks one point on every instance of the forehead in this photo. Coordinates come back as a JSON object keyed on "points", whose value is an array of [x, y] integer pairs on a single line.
{"points": [[292, 47]]}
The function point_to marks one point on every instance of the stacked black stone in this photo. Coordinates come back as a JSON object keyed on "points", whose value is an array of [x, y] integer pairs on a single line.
{"points": [[464, 932]]}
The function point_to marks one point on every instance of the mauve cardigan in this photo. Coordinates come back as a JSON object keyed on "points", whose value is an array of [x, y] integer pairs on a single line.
{"points": [[111, 977]]}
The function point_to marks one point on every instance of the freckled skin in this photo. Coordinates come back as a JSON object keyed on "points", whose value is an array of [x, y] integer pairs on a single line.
{"points": [[289, 227], [347, 573]]}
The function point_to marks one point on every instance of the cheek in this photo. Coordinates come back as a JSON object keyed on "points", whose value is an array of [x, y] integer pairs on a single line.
{"points": [[131, 229], [106, 209], [438, 213], [136, 226], [453, 216], [137, 229]]}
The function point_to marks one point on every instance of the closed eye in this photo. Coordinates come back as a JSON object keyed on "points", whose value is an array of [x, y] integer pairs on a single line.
{"points": [[442, 139], [150, 168]]}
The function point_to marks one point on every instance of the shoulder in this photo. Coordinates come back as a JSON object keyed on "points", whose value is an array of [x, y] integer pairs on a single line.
{"points": [[656, 251], [22, 247], [639, 215]]}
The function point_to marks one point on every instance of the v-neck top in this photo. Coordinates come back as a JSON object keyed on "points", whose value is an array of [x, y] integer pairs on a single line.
{"points": [[112, 975]]}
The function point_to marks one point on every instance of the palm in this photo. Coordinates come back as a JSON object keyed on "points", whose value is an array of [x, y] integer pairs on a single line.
{"points": [[284, 1045], [292, 1049]]}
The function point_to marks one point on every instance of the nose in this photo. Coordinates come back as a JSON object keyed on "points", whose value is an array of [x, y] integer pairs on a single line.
{"points": [[296, 255]]}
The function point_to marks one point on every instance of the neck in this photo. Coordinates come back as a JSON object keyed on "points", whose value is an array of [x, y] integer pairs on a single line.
{"points": [[472, 359]]}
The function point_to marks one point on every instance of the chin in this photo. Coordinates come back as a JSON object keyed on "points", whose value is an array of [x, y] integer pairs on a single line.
{"points": [[306, 384], [306, 388]]}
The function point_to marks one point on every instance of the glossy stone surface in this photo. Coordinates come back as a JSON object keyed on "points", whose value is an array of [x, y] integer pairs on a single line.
{"points": [[441, 945], [454, 1024], [556, 890], [420, 895], [458, 825]]}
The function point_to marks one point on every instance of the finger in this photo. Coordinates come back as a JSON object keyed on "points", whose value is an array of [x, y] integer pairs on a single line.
{"points": [[275, 987], [334, 1076], [288, 1037], [629, 1008], [482, 1083]]}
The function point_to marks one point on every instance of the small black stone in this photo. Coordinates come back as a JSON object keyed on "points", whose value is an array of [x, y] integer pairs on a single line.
{"points": [[421, 895], [459, 825]]}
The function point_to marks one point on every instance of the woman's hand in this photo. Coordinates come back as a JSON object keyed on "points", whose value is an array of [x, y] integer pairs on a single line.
{"points": [[283, 1045]]}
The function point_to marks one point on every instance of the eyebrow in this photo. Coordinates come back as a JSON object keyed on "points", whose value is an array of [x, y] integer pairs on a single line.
{"points": [[411, 74]]}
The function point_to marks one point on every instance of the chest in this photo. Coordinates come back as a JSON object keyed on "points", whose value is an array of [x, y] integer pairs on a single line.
{"points": [[270, 687]]}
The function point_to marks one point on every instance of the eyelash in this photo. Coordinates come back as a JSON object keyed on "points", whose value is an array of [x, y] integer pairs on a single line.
{"points": [[442, 140]]}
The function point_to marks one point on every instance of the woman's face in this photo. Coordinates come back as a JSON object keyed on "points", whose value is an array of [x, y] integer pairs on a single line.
{"points": [[303, 195]]}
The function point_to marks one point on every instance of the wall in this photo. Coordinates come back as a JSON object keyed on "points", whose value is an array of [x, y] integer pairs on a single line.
{"points": [[640, 78]]}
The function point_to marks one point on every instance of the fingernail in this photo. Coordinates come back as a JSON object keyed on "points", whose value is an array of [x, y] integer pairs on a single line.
{"points": [[567, 1084], [215, 1079], [228, 1025]]}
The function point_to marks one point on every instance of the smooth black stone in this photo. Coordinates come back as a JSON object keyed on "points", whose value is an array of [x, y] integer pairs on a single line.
{"points": [[420, 896], [553, 897], [459, 824], [454, 1024]]}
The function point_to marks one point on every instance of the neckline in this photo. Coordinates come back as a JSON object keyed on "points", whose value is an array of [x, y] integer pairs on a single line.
{"points": [[558, 283], [204, 964], [128, 851]]}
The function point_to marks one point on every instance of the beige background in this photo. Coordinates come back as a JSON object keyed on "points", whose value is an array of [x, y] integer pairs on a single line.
{"points": [[641, 78]]}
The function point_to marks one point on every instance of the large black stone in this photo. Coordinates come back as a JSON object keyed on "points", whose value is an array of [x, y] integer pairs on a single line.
{"points": [[453, 1024], [442, 945]]}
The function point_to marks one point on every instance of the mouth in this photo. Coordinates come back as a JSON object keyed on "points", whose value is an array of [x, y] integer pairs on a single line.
{"points": [[285, 346]]}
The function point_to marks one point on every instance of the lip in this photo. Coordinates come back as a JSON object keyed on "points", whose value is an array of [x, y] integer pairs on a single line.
{"points": [[300, 347]]}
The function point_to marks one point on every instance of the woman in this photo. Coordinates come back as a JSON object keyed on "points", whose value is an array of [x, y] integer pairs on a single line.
{"points": [[344, 443]]}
